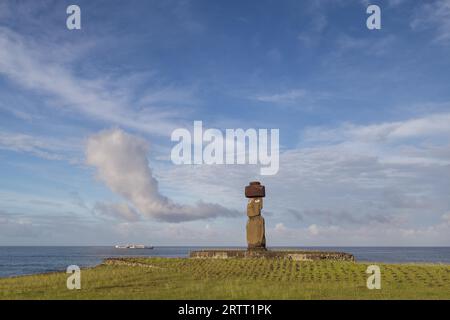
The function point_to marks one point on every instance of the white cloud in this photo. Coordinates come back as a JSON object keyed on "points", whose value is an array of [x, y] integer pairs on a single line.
{"points": [[288, 97], [122, 164], [43, 147], [434, 15], [424, 127], [364, 235], [280, 227], [346, 43], [446, 218], [122, 211], [313, 230], [28, 64], [395, 3]]}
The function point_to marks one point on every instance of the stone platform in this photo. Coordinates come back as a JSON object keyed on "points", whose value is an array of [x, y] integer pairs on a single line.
{"points": [[296, 255]]}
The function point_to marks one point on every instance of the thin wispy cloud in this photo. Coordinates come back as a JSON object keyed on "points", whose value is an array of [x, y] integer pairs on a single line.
{"points": [[289, 97], [434, 16], [43, 147], [26, 63], [423, 127]]}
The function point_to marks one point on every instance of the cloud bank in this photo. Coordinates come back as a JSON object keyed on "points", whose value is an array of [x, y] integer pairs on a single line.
{"points": [[379, 183], [121, 162]]}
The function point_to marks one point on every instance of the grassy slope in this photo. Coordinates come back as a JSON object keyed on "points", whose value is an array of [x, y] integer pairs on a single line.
{"points": [[235, 279]]}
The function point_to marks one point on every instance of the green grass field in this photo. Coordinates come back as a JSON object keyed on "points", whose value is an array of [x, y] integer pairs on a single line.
{"points": [[166, 278]]}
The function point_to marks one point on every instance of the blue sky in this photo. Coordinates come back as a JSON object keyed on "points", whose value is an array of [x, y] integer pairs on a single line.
{"points": [[363, 117]]}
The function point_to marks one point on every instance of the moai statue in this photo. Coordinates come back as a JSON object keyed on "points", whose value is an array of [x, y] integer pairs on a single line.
{"points": [[256, 237]]}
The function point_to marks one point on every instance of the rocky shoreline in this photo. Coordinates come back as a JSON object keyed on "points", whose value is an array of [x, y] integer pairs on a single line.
{"points": [[295, 255]]}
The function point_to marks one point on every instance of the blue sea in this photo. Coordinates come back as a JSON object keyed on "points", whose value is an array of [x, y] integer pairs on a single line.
{"points": [[15, 261]]}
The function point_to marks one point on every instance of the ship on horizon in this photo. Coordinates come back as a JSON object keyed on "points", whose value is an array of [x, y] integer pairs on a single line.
{"points": [[133, 246]]}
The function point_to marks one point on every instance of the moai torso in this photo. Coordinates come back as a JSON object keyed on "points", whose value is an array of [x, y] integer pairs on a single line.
{"points": [[256, 238]]}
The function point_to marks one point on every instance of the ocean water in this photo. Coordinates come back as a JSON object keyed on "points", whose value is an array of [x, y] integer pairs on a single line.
{"points": [[16, 261]]}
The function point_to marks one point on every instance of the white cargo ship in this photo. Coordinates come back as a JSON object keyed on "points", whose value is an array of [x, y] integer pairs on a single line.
{"points": [[133, 246]]}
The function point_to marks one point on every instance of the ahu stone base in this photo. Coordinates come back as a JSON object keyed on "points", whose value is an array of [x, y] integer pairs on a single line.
{"points": [[295, 255]]}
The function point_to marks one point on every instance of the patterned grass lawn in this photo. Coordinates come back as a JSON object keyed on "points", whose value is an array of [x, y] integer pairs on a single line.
{"points": [[168, 278]]}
